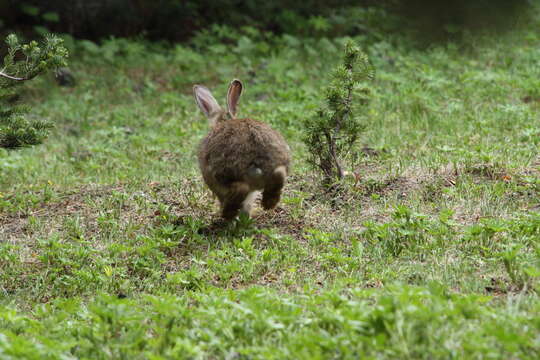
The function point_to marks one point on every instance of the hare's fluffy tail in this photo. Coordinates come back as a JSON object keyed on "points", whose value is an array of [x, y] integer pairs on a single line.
{"points": [[259, 175], [255, 172]]}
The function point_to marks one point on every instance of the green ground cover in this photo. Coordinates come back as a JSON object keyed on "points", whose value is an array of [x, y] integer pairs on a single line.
{"points": [[108, 242]]}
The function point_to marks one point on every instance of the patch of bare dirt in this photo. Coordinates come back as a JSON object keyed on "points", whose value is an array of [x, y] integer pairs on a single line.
{"points": [[530, 99], [500, 286], [308, 205], [68, 204]]}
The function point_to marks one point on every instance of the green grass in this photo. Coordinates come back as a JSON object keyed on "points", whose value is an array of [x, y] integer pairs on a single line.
{"points": [[108, 241]]}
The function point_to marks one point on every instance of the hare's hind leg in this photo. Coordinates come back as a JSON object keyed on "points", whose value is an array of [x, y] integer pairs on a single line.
{"points": [[233, 202], [248, 202], [272, 189]]}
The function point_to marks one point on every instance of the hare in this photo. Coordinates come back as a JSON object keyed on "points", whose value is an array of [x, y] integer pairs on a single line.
{"points": [[240, 157]]}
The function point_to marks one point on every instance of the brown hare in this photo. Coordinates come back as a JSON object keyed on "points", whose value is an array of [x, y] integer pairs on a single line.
{"points": [[240, 157]]}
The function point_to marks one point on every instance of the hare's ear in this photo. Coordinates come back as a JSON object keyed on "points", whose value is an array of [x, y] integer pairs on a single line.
{"points": [[233, 95], [205, 100]]}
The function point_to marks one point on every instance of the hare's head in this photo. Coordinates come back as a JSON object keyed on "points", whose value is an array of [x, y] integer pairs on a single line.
{"points": [[210, 107]]}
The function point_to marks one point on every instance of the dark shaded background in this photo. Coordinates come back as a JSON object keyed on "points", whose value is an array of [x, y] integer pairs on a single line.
{"points": [[177, 20]]}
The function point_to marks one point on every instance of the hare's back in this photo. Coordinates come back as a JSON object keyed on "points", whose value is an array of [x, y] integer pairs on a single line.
{"points": [[232, 147]]}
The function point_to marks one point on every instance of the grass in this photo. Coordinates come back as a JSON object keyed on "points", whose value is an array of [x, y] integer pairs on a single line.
{"points": [[109, 246]]}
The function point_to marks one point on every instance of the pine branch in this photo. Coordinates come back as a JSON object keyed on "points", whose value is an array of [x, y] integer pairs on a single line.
{"points": [[25, 62], [12, 77]]}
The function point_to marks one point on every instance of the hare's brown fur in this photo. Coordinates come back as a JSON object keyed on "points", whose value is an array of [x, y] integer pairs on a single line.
{"points": [[239, 157], [230, 155]]}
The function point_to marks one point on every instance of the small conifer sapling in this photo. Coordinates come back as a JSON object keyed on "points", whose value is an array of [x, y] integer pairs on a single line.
{"points": [[334, 130]]}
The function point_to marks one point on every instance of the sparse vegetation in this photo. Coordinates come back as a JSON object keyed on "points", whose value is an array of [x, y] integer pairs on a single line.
{"points": [[109, 246]]}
